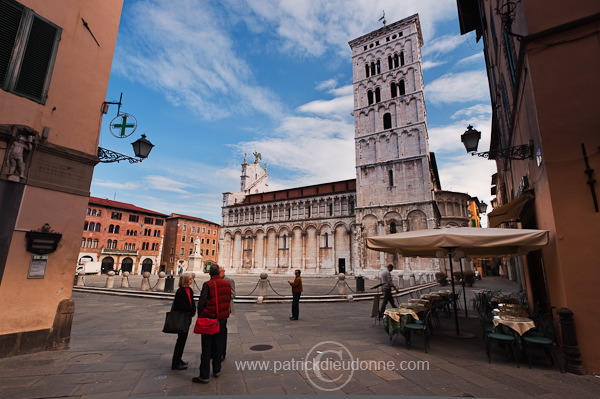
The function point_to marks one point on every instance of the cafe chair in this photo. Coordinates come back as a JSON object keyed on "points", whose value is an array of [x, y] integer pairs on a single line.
{"points": [[508, 341], [423, 326], [543, 337]]}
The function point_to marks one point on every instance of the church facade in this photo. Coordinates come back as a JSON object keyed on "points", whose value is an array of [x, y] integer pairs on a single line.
{"points": [[321, 229]]}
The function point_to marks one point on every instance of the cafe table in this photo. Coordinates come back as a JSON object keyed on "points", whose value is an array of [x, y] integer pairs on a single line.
{"points": [[395, 320], [518, 324]]}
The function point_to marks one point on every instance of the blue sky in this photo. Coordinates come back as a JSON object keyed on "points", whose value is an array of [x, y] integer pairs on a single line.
{"points": [[209, 81]]}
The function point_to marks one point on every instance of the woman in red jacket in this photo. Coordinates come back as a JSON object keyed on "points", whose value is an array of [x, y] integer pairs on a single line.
{"points": [[216, 294]]}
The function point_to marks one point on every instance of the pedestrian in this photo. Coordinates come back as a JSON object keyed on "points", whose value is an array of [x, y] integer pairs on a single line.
{"points": [[296, 293], [183, 302], [232, 284], [212, 345], [387, 285]]}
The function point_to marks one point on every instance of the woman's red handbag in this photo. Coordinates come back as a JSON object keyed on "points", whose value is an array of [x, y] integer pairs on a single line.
{"points": [[209, 326]]}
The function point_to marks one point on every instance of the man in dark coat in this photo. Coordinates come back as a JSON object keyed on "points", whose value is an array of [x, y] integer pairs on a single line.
{"points": [[296, 293], [215, 294]]}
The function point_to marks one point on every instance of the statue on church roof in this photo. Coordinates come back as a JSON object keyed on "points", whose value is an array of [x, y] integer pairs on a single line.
{"points": [[257, 156]]}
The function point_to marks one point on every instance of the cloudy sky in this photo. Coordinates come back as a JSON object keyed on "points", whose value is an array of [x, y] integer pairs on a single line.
{"points": [[208, 81]]}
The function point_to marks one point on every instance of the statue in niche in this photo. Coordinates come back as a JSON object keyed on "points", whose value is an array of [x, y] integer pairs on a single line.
{"points": [[18, 151]]}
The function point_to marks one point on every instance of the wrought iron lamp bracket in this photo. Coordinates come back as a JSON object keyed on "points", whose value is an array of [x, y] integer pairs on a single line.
{"points": [[108, 156], [518, 153]]}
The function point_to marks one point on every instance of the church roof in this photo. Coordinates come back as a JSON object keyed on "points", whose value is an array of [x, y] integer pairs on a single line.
{"points": [[302, 192]]}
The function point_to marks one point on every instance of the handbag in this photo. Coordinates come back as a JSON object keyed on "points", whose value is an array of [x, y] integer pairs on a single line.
{"points": [[208, 326], [177, 322]]}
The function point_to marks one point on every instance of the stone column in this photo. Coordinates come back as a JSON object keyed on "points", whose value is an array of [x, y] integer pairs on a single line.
{"points": [[303, 235], [110, 279], [80, 282], [125, 280], [341, 284], [145, 282], [160, 286], [263, 286]]}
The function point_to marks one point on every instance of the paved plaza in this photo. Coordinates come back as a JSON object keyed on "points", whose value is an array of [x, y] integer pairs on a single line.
{"points": [[118, 351]]}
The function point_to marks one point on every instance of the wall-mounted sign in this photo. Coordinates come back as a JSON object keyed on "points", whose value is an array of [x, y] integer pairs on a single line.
{"points": [[123, 125], [37, 267]]}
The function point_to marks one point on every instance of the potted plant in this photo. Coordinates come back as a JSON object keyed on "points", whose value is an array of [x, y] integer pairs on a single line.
{"points": [[441, 278], [469, 277]]}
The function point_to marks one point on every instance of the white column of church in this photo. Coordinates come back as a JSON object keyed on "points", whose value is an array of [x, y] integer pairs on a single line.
{"points": [[289, 246], [252, 258], [318, 240], [303, 235], [381, 254], [264, 254], [333, 247], [231, 246]]}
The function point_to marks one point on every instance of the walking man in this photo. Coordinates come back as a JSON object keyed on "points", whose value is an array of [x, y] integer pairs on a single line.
{"points": [[388, 284], [296, 293]]}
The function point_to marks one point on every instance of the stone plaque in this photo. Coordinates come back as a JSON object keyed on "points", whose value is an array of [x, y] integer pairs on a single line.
{"points": [[61, 173]]}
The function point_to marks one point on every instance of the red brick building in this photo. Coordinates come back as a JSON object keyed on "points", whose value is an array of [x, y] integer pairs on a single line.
{"points": [[122, 236], [180, 233]]}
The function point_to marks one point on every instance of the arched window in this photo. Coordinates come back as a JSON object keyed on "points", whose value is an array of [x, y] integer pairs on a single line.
{"points": [[370, 97], [89, 243], [391, 178], [387, 120], [89, 212], [402, 58], [395, 60], [402, 88], [97, 227], [393, 90], [117, 228], [111, 228], [95, 243], [94, 212], [393, 228], [325, 240], [378, 67], [86, 226], [372, 68], [92, 226], [83, 243], [99, 213], [390, 64], [367, 70], [377, 95]]}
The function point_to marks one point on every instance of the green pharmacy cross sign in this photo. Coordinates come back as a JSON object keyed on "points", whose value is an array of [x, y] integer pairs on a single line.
{"points": [[123, 125]]}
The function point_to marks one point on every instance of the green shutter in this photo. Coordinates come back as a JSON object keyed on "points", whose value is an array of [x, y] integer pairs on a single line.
{"points": [[34, 71], [10, 19]]}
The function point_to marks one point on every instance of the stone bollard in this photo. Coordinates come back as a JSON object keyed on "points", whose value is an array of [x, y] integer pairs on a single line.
{"points": [[411, 280], [160, 286], [400, 278], [110, 279], [80, 282], [263, 286], [125, 280], [145, 281], [419, 278], [406, 278], [341, 284]]}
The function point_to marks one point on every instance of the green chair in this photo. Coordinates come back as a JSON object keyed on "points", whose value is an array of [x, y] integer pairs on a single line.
{"points": [[423, 326], [544, 337], [506, 340]]}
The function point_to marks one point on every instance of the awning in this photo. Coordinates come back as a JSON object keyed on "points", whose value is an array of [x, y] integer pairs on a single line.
{"points": [[510, 211]]}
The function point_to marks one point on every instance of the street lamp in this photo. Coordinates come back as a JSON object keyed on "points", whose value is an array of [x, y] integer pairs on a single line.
{"points": [[482, 207], [470, 139], [141, 149]]}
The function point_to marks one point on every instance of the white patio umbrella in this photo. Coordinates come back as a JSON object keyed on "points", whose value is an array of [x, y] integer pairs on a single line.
{"points": [[467, 241]]}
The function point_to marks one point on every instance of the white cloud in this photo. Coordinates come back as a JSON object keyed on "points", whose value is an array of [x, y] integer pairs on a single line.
{"points": [[337, 106], [470, 60], [458, 87], [431, 64], [155, 182], [443, 44]]}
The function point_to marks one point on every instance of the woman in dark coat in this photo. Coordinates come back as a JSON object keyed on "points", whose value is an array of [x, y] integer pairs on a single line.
{"points": [[183, 302]]}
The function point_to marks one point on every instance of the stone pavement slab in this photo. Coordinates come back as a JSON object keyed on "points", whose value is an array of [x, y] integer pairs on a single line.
{"points": [[118, 351]]}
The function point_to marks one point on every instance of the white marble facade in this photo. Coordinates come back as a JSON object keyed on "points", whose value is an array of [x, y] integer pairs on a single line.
{"points": [[321, 229]]}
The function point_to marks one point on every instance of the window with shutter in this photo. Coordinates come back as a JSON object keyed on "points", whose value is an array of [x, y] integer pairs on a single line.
{"points": [[28, 45]]}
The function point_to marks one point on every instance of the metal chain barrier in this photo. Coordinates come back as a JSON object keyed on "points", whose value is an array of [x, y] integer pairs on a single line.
{"points": [[255, 287], [334, 287], [345, 282], [273, 288]]}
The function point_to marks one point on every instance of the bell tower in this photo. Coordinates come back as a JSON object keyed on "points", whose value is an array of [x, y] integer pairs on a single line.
{"points": [[394, 179]]}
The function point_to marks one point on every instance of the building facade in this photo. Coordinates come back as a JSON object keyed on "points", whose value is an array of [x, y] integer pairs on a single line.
{"points": [[181, 235], [543, 60], [123, 237], [321, 229], [53, 81]]}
